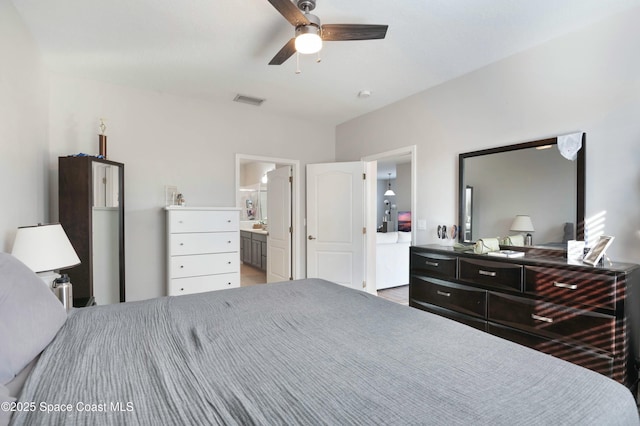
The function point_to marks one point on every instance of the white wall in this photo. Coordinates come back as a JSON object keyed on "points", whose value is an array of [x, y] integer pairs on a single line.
{"points": [[588, 80], [23, 128], [164, 139], [402, 187]]}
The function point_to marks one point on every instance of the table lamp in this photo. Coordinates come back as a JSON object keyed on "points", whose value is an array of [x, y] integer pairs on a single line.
{"points": [[44, 248], [522, 223]]}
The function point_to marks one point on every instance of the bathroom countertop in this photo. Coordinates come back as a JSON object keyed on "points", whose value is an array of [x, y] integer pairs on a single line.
{"points": [[256, 231]]}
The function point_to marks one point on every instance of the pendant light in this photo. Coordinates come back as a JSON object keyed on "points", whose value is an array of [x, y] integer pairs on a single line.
{"points": [[389, 191]]}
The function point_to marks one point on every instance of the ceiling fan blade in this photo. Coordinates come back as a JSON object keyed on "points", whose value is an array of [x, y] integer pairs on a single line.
{"points": [[290, 12], [284, 53], [339, 32]]}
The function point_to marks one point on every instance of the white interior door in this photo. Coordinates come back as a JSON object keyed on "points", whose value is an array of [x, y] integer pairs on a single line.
{"points": [[279, 225], [335, 223]]}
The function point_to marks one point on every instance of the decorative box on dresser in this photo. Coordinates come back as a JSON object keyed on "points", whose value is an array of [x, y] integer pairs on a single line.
{"points": [[583, 314], [203, 249]]}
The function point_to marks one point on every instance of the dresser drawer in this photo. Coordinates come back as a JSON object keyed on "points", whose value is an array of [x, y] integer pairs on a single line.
{"points": [[209, 242], [479, 323], [204, 264], [553, 321], [460, 298], [203, 221], [586, 288], [494, 274], [435, 264], [178, 286], [590, 359]]}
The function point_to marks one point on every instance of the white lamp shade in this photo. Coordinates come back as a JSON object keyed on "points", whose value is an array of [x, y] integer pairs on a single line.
{"points": [[44, 248], [522, 223]]}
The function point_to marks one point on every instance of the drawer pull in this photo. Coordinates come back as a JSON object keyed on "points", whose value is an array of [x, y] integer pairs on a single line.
{"points": [[181, 244], [563, 285], [487, 273], [229, 221], [539, 318], [229, 242], [429, 263], [229, 263], [443, 293], [181, 266]]}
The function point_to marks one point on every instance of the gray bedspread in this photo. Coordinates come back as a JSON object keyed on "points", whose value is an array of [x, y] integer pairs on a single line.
{"points": [[302, 352]]}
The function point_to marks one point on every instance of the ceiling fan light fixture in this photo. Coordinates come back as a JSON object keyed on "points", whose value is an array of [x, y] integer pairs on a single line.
{"points": [[308, 39]]}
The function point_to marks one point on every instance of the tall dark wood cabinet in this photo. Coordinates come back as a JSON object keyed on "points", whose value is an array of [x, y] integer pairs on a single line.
{"points": [[91, 211]]}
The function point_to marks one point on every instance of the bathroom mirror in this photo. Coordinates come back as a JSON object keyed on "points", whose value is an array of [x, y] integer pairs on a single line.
{"points": [[531, 178]]}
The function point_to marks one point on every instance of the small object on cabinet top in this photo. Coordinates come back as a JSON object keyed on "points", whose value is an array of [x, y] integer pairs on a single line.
{"points": [[506, 253]]}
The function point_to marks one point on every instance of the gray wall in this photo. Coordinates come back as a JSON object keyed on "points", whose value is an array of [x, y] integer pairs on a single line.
{"points": [[23, 128], [588, 80], [161, 139], [170, 140]]}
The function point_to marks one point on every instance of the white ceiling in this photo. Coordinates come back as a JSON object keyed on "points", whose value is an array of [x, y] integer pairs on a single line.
{"points": [[215, 49]]}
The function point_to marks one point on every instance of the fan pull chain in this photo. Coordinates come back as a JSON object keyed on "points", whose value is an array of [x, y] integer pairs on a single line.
{"points": [[318, 59], [298, 63]]}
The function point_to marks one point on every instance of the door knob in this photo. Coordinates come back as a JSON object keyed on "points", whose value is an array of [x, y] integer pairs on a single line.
{"points": [[311, 237]]}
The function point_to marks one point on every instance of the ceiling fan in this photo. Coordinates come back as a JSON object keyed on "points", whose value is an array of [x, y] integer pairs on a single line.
{"points": [[309, 34]]}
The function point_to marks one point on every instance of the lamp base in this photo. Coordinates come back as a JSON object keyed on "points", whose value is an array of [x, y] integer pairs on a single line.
{"points": [[48, 277]]}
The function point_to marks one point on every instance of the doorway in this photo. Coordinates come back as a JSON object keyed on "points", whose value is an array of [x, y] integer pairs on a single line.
{"points": [[252, 189], [396, 213]]}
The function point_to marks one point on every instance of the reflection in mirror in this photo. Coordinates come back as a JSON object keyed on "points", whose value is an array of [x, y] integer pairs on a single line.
{"points": [[105, 233], [468, 213], [531, 179], [253, 190], [105, 185]]}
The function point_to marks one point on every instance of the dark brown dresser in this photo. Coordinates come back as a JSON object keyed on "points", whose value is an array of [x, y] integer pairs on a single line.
{"points": [[583, 314]]}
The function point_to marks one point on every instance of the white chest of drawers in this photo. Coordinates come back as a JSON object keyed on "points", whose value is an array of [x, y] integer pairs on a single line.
{"points": [[203, 249]]}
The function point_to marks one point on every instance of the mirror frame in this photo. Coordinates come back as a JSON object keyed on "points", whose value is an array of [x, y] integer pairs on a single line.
{"points": [[580, 180]]}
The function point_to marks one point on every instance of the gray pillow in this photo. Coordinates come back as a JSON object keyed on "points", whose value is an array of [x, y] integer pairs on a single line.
{"points": [[30, 316]]}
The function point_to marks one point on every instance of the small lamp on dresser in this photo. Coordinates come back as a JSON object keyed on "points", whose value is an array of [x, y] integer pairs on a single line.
{"points": [[44, 248], [522, 223]]}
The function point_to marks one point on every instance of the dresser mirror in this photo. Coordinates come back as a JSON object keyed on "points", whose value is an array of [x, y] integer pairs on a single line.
{"points": [[531, 178]]}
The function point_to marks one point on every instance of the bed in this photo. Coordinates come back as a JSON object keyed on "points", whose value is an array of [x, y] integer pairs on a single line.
{"points": [[297, 352]]}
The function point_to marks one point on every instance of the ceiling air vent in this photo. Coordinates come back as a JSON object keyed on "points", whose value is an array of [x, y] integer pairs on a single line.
{"points": [[248, 100]]}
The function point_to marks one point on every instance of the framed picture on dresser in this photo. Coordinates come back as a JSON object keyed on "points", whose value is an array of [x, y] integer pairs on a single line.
{"points": [[597, 251]]}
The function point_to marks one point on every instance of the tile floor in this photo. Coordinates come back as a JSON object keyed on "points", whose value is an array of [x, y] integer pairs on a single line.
{"points": [[251, 276]]}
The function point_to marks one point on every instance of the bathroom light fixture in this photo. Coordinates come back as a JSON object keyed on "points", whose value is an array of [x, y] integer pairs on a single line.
{"points": [[389, 192]]}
